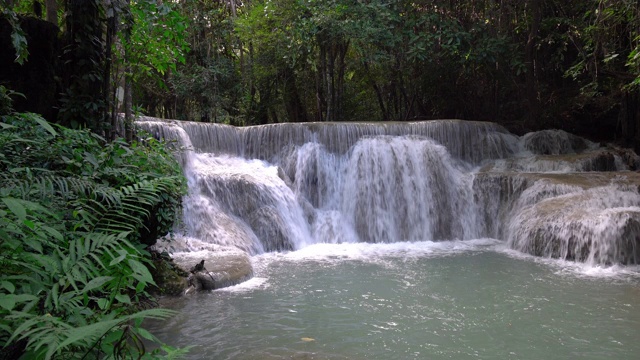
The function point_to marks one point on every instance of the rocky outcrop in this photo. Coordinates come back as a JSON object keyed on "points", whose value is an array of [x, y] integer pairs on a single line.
{"points": [[597, 226], [588, 217], [598, 160]]}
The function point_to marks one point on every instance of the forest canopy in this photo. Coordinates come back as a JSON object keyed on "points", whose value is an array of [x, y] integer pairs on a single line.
{"points": [[531, 64]]}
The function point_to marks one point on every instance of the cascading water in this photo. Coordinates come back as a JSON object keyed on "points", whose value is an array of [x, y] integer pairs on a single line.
{"points": [[285, 186]]}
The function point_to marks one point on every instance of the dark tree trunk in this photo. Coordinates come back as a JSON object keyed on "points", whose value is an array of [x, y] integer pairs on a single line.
{"points": [[107, 92], [530, 60], [128, 96], [295, 110], [83, 57], [629, 120], [378, 91], [52, 11]]}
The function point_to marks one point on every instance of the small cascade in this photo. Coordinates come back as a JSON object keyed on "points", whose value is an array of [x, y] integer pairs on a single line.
{"points": [[411, 188], [281, 187], [597, 226], [243, 203]]}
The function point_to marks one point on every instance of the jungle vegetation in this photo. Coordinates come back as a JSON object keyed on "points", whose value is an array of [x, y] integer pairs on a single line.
{"points": [[527, 64]]}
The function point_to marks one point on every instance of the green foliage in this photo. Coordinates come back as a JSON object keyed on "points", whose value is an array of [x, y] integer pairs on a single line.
{"points": [[6, 100], [18, 37], [74, 275], [157, 38]]}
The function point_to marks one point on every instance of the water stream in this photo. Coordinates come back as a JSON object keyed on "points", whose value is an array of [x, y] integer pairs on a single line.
{"points": [[432, 240]]}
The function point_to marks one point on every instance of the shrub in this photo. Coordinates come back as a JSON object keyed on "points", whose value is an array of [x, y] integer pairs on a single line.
{"points": [[72, 208]]}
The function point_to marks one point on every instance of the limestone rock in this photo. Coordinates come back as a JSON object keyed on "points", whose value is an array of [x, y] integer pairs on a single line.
{"points": [[222, 268]]}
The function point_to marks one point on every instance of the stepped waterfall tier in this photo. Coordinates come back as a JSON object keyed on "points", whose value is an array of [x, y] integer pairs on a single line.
{"points": [[283, 187]]}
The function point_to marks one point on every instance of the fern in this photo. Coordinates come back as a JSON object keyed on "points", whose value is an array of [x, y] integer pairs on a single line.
{"points": [[72, 268]]}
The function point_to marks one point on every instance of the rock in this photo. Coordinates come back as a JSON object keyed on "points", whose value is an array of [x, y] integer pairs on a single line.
{"points": [[225, 267], [581, 227], [169, 278], [554, 142], [270, 228], [590, 161], [198, 267], [590, 217]]}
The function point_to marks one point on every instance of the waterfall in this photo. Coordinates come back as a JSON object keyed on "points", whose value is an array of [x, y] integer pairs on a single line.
{"points": [[281, 187]]}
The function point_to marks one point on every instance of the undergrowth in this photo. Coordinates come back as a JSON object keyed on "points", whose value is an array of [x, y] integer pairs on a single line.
{"points": [[74, 269]]}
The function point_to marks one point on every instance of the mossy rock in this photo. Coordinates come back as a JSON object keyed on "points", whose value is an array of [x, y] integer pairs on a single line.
{"points": [[170, 279]]}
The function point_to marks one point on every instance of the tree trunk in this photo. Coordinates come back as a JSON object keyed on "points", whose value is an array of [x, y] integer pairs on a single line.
{"points": [[339, 90], [52, 11], [629, 119], [128, 97], [329, 80], [295, 110], [378, 91], [530, 60], [106, 77], [320, 80]]}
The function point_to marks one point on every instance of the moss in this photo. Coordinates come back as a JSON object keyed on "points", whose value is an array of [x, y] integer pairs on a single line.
{"points": [[169, 278]]}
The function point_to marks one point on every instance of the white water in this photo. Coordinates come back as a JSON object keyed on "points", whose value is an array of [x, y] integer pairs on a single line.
{"points": [[286, 186]]}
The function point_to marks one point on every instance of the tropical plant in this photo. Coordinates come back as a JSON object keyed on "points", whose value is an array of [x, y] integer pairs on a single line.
{"points": [[74, 275]]}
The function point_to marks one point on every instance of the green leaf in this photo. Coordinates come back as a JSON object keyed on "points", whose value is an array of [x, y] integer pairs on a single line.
{"points": [[9, 301], [15, 207], [45, 125], [118, 259], [140, 272], [96, 283], [53, 232], [123, 298], [9, 286], [103, 303], [146, 334]]}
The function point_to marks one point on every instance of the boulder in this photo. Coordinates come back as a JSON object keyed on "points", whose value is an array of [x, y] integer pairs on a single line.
{"points": [[555, 142], [222, 268]]}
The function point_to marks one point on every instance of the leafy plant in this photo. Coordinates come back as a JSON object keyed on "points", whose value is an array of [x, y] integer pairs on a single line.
{"points": [[75, 277]]}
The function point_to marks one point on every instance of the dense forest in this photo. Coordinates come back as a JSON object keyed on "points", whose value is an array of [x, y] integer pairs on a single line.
{"points": [[528, 65]]}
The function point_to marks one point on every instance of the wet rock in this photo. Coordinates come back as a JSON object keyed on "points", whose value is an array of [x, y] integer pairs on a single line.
{"points": [[554, 142], [169, 278], [270, 228], [589, 217], [222, 268], [581, 227], [591, 161]]}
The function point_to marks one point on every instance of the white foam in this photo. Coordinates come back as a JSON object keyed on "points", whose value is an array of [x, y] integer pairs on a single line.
{"points": [[572, 268], [380, 251], [247, 286]]}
